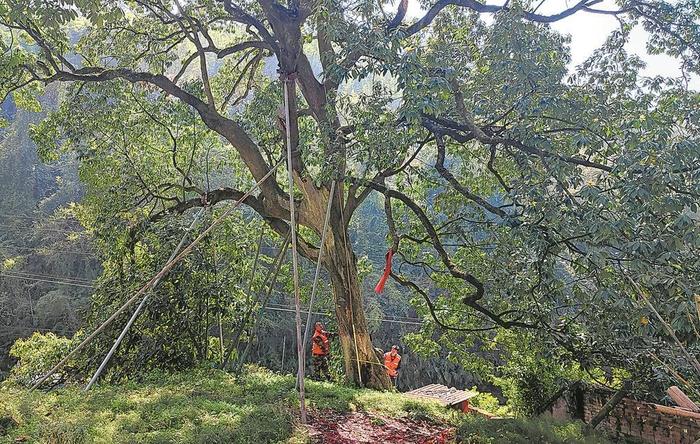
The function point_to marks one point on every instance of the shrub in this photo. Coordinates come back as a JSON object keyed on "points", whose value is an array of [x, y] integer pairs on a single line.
{"points": [[531, 374], [477, 430], [488, 402], [36, 355], [526, 391]]}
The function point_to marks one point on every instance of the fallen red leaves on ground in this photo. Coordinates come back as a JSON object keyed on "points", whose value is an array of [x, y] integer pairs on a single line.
{"points": [[329, 427]]}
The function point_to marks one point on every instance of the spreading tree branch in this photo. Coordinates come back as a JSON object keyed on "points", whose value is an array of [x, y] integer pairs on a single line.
{"points": [[482, 8], [454, 270]]}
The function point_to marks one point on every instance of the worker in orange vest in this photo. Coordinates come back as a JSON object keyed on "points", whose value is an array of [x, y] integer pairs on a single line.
{"points": [[392, 362], [320, 349]]}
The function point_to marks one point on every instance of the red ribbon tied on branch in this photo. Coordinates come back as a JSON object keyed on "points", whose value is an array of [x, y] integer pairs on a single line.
{"points": [[387, 271]]}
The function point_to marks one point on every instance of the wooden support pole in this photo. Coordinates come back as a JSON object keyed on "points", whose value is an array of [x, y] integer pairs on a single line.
{"points": [[681, 399], [221, 338], [348, 255], [677, 412], [255, 264], [219, 319], [284, 345], [321, 247], [607, 408]]}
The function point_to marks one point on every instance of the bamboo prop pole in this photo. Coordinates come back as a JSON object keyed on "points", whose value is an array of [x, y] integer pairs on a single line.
{"points": [[221, 338], [691, 359], [248, 299], [166, 268], [255, 262], [219, 318], [284, 345], [128, 325], [274, 273]]}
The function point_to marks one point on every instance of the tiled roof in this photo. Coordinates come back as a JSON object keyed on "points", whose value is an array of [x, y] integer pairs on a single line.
{"points": [[447, 396]]}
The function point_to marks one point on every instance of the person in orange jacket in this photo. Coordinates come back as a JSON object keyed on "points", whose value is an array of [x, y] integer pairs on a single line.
{"points": [[320, 349], [392, 363]]}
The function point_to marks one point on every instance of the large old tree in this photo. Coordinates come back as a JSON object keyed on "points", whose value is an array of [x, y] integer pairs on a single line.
{"points": [[517, 195]]}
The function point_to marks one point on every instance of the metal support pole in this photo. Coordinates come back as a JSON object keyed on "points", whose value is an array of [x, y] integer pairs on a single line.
{"points": [[295, 259], [318, 270]]}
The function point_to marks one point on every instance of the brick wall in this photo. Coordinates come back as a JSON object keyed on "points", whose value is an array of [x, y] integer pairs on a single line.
{"points": [[560, 410], [643, 420], [630, 418]]}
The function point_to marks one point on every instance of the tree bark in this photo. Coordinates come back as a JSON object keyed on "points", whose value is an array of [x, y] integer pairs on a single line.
{"points": [[362, 367]]}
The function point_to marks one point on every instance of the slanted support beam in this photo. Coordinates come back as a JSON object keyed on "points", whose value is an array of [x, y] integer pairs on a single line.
{"points": [[607, 408]]}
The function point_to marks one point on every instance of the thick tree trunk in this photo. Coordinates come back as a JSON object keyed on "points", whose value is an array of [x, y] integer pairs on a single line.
{"points": [[362, 366]]}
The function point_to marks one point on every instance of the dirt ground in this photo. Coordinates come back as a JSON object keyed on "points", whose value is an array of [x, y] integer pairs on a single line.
{"points": [[329, 427]]}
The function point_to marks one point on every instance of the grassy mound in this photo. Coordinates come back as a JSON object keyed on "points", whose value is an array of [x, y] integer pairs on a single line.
{"points": [[211, 406], [203, 406]]}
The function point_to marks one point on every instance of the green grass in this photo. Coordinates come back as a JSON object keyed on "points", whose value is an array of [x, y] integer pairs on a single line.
{"points": [[210, 406], [202, 406]]}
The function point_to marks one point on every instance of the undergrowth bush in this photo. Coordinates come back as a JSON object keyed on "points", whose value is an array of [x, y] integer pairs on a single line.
{"points": [[478, 430], [530, 374], [489, 403], [36, 355]]}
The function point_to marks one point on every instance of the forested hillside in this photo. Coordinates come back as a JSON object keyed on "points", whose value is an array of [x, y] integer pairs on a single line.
{"points": [[48, 260]]}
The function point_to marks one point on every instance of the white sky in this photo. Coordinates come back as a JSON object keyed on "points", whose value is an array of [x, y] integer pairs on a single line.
{"points": [[589, 31]]}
